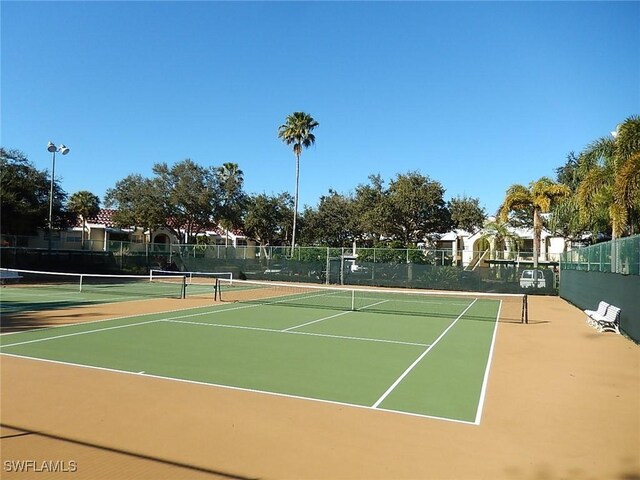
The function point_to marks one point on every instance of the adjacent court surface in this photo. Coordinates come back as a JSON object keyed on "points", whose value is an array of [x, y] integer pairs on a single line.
{"points": [[419, 355]]}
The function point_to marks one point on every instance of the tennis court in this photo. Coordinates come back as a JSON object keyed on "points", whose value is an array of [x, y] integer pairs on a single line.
{"points": [[418, 354], [298, 382]]}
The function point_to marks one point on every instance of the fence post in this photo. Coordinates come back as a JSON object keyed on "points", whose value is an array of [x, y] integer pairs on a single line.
{"points": [[328, 273]]}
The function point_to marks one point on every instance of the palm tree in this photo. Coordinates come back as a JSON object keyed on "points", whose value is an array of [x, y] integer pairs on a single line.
{"points": [[611, 168], [231, 179], [84, 204], [297, 131], [537, 199], [499, 235]]}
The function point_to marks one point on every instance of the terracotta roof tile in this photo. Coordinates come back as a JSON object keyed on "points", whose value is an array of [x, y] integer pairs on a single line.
{"points": [[104, 217]]}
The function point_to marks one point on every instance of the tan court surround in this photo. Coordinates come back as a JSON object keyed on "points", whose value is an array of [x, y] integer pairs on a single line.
{"points": [[563, 402]]}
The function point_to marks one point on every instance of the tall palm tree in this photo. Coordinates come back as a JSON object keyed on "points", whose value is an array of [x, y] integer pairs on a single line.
{"points": [[611, 168], [85, 204], [537, 199], [231, 179], [297, 131]]}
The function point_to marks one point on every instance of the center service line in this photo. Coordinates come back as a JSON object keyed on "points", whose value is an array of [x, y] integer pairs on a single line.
{"points": [[406, 372], [315, 321]]}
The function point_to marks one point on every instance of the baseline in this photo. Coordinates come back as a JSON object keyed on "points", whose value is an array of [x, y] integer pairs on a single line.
{"points": [[241, 389]]}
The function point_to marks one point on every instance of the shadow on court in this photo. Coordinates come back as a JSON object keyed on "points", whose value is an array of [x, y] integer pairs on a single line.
{"points": [[17, 316], [22, 432]]}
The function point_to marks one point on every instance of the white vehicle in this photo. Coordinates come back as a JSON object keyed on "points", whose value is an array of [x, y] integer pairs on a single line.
{"points": [[351, 265], [528, 280]]}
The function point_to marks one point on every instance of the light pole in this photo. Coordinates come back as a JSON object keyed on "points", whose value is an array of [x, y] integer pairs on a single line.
{"points": [[53, 149]]}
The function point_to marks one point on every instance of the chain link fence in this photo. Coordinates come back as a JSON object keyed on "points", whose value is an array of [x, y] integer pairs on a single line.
{"points": [[440, 269], [617, 256]]}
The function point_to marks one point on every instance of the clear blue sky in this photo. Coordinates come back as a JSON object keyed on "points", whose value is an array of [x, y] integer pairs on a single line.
{"points": [[476, 95]]}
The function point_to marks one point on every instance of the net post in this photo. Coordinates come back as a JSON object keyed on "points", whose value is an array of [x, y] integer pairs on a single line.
{"points": [[353, 300], [524, 318], [216, 287], [219, 289], [184, 287], [80, 286]]}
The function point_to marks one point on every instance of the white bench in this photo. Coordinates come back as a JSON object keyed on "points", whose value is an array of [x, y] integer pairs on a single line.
{"points": [[8, 275], [605, 319]]}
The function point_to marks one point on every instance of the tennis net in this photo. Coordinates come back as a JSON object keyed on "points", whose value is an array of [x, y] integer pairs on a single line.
{"points": [[197, 284], [136, 286], [380, 300], [193, 277]]}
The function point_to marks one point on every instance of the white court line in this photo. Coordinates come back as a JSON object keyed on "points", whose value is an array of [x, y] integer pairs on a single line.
{"points": [[122, 326], [332, 316], [241, 389], [411, 367], [373, 304], [316, 321], [63, 295], [483, 391], [221, 325], [425, 301], [78, 333], [344, 337], [397, 342], [107, 319]]}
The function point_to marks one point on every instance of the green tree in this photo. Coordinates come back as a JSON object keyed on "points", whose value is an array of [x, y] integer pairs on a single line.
{"points": [[84, 204], [191, 197], [139, 202], [417, 208], [297, 131], [233, 198], [466, 213], [565, 219], [611, 178], [183, 198], [333, 223], [267, 217], [25, 195], [570, 173], [372, 210], [535, 199]]}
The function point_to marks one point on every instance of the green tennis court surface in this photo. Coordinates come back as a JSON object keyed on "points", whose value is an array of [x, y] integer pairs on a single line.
{"points": [[39, 291], [431, 360]]}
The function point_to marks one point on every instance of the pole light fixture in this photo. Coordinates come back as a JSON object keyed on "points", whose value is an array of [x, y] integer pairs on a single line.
{"points": [[63, 149]]}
